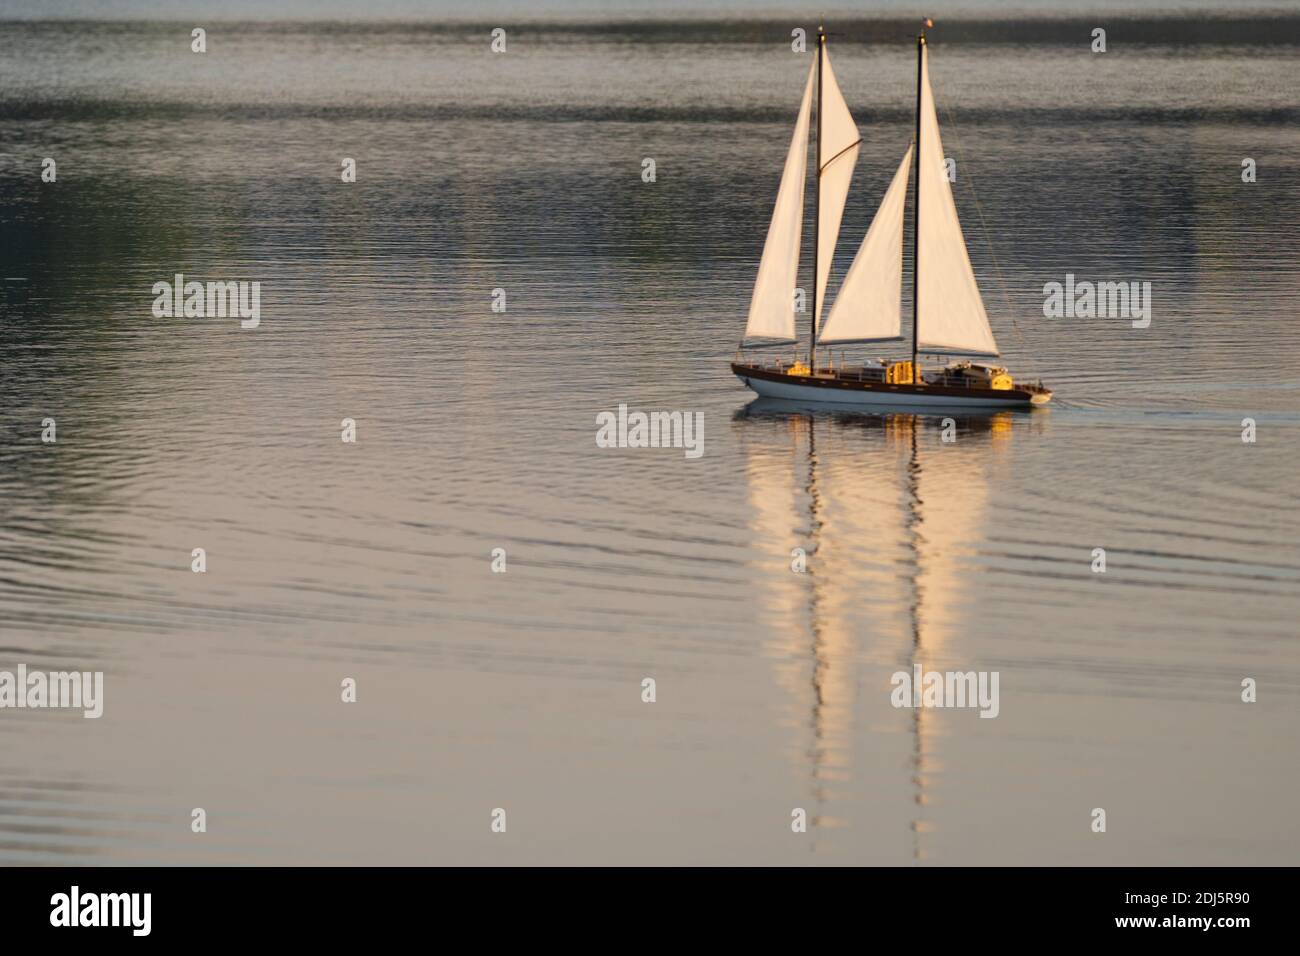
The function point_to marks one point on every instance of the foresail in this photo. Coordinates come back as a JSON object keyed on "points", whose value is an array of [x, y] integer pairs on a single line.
{"points": [[950, 312], [839, 154], [867, 307], [771, 310]]}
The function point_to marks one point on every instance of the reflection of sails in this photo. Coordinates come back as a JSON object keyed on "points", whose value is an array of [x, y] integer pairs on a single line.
{"points": [[789, 480], [890, 518], [947, 488]]}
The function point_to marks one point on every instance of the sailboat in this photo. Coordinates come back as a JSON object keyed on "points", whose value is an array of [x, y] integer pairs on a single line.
{"points": [[948, 317]]}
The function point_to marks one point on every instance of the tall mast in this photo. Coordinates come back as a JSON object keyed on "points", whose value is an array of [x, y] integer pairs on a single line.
{"points": [[817, 207], [916, 207]]}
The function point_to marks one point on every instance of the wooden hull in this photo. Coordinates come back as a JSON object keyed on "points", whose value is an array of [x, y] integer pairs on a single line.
{"points": [[847, 391]]}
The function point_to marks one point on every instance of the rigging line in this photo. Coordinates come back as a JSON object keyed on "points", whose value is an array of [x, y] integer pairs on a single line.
{"points": [[979, 210], [826, 165]]}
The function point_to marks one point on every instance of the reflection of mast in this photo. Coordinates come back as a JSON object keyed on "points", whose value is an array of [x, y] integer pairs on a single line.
{"points": [[913, 509], [820, 664], [835, 536]]}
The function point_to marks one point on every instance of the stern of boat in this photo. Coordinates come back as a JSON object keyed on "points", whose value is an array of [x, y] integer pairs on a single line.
{"points": [[1039, 394]]}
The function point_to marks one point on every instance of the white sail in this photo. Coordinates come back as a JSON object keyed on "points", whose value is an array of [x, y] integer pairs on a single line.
{"points": [[867, 307], [950, 312], [771, 310], [839, 154]]}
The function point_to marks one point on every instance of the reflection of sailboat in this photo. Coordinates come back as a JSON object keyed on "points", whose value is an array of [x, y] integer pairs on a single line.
{"points": [[948, 316], [947, 502], [889, 539], [814, 509]]}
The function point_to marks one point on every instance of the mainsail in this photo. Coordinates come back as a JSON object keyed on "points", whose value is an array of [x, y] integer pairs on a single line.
{"points": [[838, 155], [867, 306], [771, 310], [950, 313]]}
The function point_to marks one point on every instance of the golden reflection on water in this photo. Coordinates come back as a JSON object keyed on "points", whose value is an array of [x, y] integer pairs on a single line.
{"points": [[889, 515]]}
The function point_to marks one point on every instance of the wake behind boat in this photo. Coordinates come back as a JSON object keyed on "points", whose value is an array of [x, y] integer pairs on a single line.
{"points": [[948, 316]]}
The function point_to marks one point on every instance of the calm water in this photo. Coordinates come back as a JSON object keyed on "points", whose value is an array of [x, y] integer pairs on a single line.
{"points": [[476, 431]]}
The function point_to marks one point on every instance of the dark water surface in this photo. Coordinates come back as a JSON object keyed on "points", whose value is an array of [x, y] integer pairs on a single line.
{"points": [[476, 431]]}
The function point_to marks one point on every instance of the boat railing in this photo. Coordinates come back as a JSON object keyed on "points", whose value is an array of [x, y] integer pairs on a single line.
{"points": [[953, 381], [769, 365]]}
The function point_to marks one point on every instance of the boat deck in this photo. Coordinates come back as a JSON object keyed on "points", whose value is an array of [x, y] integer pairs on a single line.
{"points": [[876, 373], [857, 383]]}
